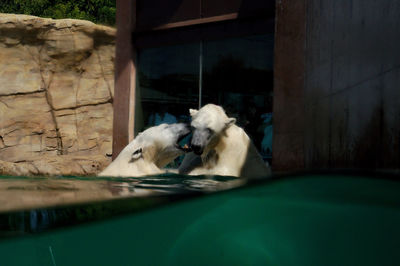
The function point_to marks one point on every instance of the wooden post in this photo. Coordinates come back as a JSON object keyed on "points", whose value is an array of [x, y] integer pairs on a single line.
{"points": [[125, 76], [289, 75]]}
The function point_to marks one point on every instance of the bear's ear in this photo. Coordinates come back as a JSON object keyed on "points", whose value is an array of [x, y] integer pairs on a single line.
{"points": [[193, 112], [136, 154], [230, 121]]}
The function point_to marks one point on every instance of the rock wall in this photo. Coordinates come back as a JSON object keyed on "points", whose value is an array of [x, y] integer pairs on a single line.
{"points": [[56, 92]]}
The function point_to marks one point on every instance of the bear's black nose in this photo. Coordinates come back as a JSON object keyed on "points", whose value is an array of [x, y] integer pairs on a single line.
{"points": [[197, 149]]}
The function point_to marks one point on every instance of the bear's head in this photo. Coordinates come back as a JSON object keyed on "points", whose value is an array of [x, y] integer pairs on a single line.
{"points": [[208, 124], [159, 144]]}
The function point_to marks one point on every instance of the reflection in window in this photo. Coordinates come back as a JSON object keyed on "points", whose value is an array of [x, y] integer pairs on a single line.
{"points": [[238, 76], [235, 73], [168, 85]]}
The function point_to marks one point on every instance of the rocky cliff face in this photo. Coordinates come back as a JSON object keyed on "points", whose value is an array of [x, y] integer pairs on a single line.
{"points": [[56, 91]]}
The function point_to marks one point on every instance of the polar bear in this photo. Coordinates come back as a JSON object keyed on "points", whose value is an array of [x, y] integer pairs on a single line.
{"points": [[220, 147], [151, 150]]}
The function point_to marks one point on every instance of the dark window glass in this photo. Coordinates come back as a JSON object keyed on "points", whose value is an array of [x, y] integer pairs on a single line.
{"points": [[234, 73], [238, 75], [168, 81]]}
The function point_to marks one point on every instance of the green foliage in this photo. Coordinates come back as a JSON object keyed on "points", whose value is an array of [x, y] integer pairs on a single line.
{"points": [[98, 11]]}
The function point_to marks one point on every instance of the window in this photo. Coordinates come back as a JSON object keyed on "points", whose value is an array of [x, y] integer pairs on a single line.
{"points": [[235, 73], [168, 84]]}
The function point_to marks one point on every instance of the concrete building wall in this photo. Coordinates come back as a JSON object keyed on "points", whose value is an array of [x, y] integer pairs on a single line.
{"points": [[337, 84], [352, 84]]}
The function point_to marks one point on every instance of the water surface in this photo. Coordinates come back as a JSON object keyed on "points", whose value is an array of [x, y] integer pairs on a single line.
{"points": [[29, 205], [18, 193]]}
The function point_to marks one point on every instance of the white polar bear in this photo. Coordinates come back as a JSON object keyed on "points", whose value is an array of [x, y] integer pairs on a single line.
{"points": [[149, 152], [224, 148]]}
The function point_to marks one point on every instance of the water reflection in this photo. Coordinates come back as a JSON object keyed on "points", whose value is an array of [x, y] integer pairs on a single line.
{"points": [[24, 193], [30, 205]]}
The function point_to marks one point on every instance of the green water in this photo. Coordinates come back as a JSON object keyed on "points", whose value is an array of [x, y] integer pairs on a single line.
{"points": [[310, 219]]}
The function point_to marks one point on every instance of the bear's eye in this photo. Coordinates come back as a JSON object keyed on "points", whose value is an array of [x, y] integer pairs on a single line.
{"points": [[210, 131], [137, 151]]}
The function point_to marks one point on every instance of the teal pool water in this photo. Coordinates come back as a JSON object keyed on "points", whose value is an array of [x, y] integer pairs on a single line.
{"points": [[307, 219]]}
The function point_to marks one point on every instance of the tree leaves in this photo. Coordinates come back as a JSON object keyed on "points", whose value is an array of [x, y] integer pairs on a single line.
{"points": [[98, 11]]}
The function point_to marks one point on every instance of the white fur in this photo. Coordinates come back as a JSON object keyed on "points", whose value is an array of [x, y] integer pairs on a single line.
{"points": [[230, 152], [146, 154]]}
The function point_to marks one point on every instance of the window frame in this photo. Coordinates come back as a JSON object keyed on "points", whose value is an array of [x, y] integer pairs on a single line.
{"points": [[130, 39]]}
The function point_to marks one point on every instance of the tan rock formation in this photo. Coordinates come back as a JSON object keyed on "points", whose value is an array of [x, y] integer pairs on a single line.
{"points": [[56, 89]]}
